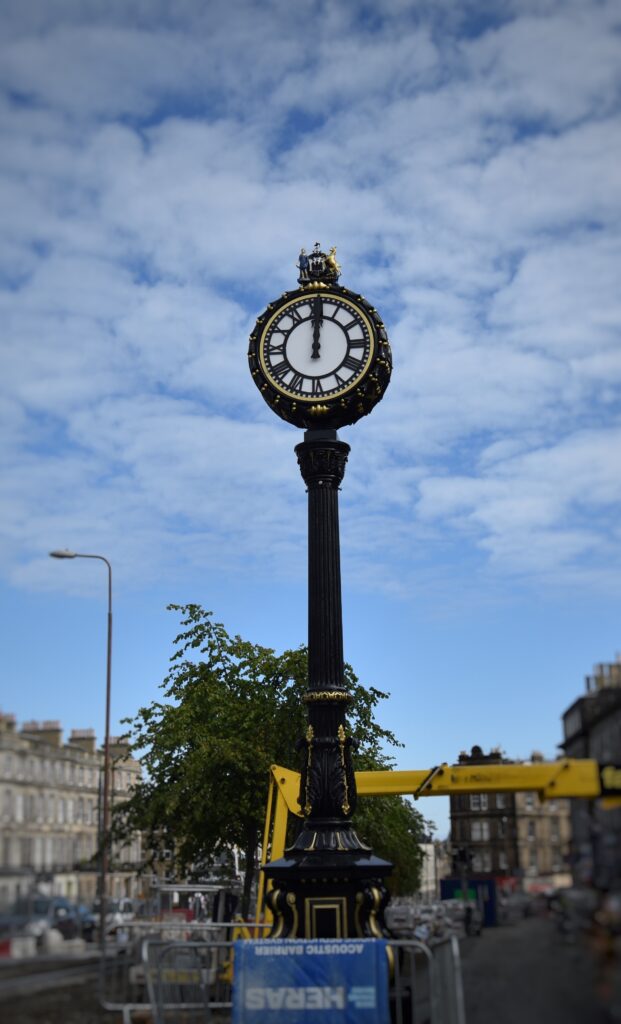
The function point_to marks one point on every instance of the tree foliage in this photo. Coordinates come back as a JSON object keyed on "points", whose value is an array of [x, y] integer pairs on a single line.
{"points": [[231, 710]]}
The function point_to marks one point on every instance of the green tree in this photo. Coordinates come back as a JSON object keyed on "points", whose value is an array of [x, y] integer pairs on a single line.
{"points": [[231, 710]]}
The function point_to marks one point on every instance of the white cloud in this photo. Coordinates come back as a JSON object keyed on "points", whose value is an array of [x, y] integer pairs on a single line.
{"points": [[565, 297], [162, 169], [521, 507]]}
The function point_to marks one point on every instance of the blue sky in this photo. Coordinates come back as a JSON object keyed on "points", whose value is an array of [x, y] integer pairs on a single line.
{"points": [[161, 165]]}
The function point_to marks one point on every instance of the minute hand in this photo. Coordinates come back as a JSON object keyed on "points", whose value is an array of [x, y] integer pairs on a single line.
{"points": [[317, 322]]}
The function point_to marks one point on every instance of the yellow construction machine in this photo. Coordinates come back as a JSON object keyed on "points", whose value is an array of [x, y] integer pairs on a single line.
{"points": [[567, 777]]}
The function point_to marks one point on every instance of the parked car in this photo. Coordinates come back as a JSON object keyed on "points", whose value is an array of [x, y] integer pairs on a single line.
{"points": [[118, 913], [38, 914]]}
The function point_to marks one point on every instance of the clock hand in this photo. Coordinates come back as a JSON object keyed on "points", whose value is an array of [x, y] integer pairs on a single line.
{"points": [[317, 322]]}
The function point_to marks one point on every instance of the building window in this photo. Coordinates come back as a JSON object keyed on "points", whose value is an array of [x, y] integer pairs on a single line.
{"points": [[501, 828], [503, 863], [533, 857], [554, 830], [531, 830], [529, 801], [480, 829], [477, 862], [478, 801], [501, 800]]}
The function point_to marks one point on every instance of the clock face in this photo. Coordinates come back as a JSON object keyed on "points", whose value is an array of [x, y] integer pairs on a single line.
{"points": [[320, 356], [316, 347]]}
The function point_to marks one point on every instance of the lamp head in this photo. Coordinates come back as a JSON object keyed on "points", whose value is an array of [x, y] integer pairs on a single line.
{"points": [[62, 554]]}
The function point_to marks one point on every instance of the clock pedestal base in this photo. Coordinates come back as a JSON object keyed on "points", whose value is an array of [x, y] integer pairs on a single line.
{"points": [[328, 895]]}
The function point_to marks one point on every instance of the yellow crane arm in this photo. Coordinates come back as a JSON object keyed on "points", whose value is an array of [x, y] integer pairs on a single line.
{"points": [[563, 778], [567, 777]]}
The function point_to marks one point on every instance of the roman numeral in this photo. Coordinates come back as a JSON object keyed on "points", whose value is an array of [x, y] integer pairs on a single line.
{"points": [[281, 368], [339, 380], [348, 327], [295, 316], [357, 343], [317, 388], [351, 363], [277, 350], [296, 382]]}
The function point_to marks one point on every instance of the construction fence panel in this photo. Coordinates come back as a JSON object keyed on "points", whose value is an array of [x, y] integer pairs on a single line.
{"points": [[183, 977]]}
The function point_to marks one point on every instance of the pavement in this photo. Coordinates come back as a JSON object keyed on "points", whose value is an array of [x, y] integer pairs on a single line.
{"points": [[529, 973]]}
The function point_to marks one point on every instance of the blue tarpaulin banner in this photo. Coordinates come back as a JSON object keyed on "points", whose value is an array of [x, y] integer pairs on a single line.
{"points": [[331, 981]]}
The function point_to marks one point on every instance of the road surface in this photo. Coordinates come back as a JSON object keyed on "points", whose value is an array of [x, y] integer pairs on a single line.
{"points": [[528, 973]]}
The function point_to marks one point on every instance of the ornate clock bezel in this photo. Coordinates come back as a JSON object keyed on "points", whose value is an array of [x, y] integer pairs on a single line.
{"points": [[350, 404]]}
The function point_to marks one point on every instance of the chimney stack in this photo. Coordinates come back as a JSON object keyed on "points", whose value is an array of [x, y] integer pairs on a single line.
{"points": [[51, 731], [85, 739], [119, 748]]}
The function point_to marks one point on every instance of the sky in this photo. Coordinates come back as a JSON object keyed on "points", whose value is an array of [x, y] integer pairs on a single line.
{"points": [[161, 166]]}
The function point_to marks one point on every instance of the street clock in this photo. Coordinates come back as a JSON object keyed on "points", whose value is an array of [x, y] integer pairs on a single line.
{"points": [[320, 355]]}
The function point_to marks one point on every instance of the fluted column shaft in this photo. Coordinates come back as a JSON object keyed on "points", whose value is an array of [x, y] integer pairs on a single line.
{"points": [[322, 459], [327, 786]]}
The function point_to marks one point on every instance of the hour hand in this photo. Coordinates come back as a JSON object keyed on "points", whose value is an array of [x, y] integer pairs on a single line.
{"points": [[317, 322]]}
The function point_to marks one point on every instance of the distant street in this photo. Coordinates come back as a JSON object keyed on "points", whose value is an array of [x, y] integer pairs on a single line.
{"points": [[527, 972]]}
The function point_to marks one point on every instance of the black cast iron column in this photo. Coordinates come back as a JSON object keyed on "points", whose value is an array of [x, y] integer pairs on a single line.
{"points": [[329, 883], [322, 459], [327, 788]]}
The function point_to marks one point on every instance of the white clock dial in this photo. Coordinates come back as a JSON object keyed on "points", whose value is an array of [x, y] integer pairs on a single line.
{"points": [[317, 347], [331, 354]]}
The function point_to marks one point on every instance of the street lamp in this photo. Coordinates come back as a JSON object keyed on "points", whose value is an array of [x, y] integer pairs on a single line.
{"points": [[106, 785]]}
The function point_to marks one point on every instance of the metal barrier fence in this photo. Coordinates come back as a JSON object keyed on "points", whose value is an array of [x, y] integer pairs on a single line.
{"points": [[170, 979], [125, 978]]}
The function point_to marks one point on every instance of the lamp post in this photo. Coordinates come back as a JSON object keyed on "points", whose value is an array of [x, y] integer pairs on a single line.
{"points": [[106, 781]]}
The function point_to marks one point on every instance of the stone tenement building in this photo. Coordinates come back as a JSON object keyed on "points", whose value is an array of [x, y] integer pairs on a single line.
{"points": [[50, 812], [592, 728], [513, 837]]}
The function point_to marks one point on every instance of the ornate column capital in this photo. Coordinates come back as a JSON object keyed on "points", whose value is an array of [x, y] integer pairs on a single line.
{"points": [[322, 459]]}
